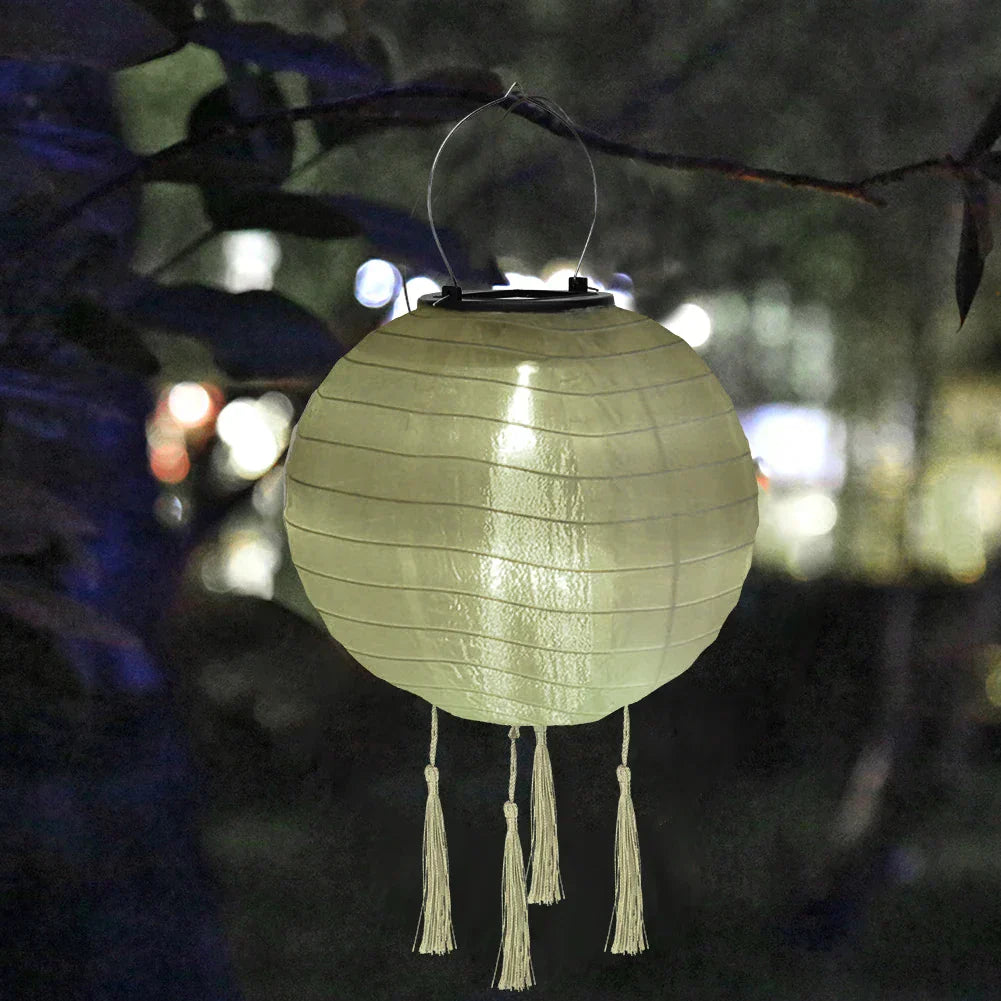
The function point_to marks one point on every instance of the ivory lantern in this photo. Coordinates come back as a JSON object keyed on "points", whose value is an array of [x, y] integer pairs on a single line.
{"points": [[530, 518]]}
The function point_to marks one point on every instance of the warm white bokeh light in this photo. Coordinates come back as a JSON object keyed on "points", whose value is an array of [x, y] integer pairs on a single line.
{"points": [[377, 283], [244, 561], [691, 323], [251, 257], [189, 403], [248, 565], [560, 279], [811, 514], [255, 432], [799, 444]]}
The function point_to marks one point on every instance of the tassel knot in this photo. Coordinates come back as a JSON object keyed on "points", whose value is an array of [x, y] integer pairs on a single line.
{"points": [[511, 813], [431, 775], [623, 774]]}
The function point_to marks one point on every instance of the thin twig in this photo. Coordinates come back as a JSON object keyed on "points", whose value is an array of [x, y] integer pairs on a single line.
{"points": [[944, 165], [369, 104]]}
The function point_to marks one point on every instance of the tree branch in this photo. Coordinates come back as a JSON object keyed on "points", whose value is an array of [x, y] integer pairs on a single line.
{"points": [[389, 108]]}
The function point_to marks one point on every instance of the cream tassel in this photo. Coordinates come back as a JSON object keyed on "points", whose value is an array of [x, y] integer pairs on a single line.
{"points": [[547, 886], [516, 970], [627, 914], [436, 910]]}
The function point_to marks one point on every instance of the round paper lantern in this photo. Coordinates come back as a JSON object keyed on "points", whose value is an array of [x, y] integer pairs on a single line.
{"points": [[528, 508], [532, 518], [533, 515]]}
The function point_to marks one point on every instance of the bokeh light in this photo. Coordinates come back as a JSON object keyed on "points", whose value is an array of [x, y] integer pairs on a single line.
{"points": [[810, 514], [251, 257], [189, 404], [377, 283], [169, 461], [691, 323], [798, 444], [244, 561], [171, 510], [255, 433]]}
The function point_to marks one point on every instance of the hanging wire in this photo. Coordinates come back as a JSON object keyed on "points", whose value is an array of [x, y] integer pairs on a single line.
{"points": [[557, 112], [406, 294], [544, 104]]}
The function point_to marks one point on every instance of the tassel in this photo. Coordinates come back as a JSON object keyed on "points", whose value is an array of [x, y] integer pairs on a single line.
{"points": [[547, 885], [436, 909], [516, 970], [627, 913]]}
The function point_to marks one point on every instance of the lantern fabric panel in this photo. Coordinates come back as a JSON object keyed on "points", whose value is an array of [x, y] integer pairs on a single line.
{"points": [[461, 483], [663, 403], [507, 515]]}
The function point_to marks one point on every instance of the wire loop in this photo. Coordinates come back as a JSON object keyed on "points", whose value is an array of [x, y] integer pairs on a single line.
{"points": [[550, 108]]}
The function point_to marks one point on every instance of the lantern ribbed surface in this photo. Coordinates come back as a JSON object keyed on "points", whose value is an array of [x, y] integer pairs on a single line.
{"points": [[524, 518]]}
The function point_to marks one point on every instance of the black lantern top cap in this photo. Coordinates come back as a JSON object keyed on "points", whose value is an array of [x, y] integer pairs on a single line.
{"points": [[519, 300]]}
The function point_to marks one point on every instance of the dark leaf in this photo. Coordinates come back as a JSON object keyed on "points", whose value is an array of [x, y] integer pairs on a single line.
{"points": [[216, 108], [272, 48], [178, 15], [47, 610], [987, 134], [66, 147], [333, 131], [394, 233], [107, 339], [281, 211], [103, 34], [252, 334], [975, 244], [196, 166]]}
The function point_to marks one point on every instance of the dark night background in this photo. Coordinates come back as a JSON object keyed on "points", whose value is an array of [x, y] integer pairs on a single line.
{"points": [[201, 795]]}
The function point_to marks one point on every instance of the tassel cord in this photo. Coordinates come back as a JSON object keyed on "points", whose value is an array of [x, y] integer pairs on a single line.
{"points": [[547, 883], [436, 905], [627, 912], [515, 954]]}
